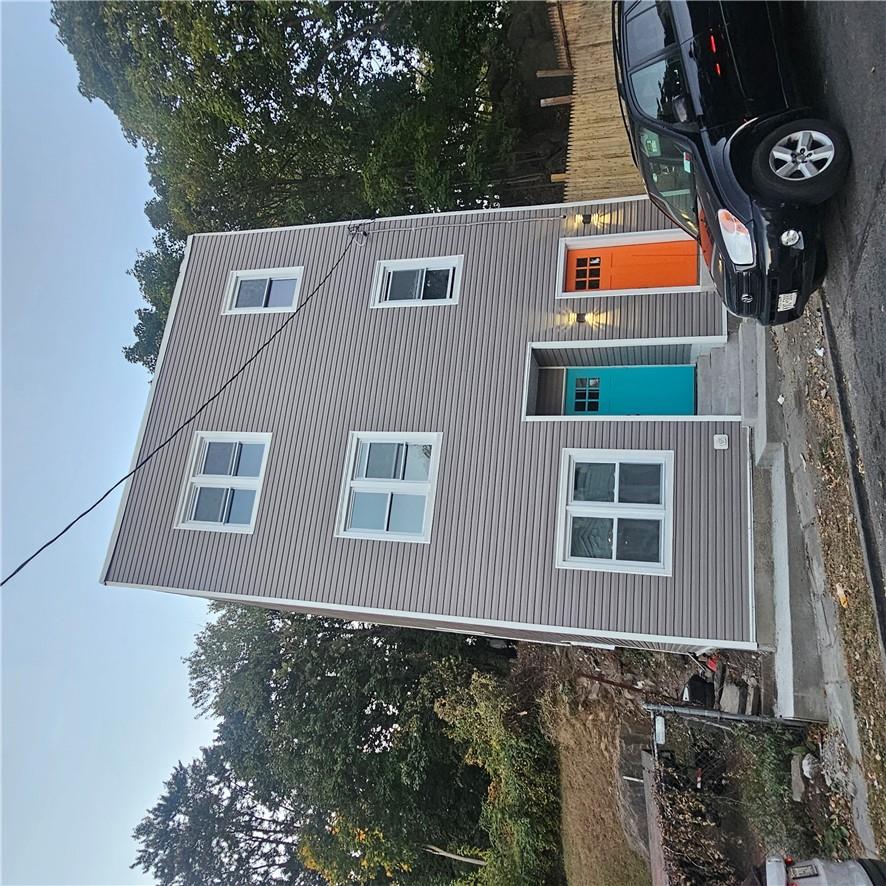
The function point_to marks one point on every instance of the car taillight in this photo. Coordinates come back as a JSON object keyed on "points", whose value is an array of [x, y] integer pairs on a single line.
{"points": [[712, 42]]}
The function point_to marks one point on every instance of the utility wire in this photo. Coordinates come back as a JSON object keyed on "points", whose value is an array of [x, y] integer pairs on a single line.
{"points": [[356, 233]]}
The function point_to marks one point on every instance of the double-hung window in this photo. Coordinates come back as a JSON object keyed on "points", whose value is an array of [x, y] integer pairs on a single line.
{"points": [[388, 487], [224, 481], [615, 510], [417, 282], [268, 291]]}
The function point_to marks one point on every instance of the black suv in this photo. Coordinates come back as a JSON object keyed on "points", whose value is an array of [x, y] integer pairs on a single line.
{"points": [[725, 146]]}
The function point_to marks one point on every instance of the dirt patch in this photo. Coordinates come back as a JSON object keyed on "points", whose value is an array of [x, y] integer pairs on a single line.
{"points": [[802, 356]]}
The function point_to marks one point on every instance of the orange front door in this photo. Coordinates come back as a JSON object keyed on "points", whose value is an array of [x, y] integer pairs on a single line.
{"points": [[633, 266]]}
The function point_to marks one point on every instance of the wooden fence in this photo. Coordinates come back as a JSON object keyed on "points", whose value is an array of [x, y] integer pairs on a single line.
{"points": [[598, 160]]}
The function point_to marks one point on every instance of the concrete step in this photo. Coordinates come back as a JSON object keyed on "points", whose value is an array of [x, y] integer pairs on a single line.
{"points": [[703, 385], [748, 344], [732, 377]]}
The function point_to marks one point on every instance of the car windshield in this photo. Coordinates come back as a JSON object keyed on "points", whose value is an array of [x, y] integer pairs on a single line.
{"points": [[667, 170]]}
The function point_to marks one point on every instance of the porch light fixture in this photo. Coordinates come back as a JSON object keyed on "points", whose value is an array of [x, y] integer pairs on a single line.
{"points": [[583, 218], [581, 317]]}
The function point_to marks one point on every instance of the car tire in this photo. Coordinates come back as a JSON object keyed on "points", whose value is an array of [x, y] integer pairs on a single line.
{"points": [[780, 172]]}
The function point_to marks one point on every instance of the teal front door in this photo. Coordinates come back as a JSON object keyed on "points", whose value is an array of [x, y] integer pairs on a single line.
{"points": [[630, 390]]}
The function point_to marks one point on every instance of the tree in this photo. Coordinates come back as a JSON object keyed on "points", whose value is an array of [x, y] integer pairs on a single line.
{"points": [[262, 114], [342, 716], [210, 827]]}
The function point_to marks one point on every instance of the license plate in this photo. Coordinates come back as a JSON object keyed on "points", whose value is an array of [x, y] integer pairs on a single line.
{"points": [[799, 871], [787, 300]]}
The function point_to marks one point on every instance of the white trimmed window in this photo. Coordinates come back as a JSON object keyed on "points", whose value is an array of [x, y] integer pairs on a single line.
{"points": [[267, 291], [388, 487], [225, 475], [417, 282], [615, 510]]}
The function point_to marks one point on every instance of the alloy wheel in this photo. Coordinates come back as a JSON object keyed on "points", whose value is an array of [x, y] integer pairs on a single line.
{"points": [[801, 155]]}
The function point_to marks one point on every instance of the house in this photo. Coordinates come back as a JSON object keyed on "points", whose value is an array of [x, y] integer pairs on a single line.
{"points": [[522, 423]]}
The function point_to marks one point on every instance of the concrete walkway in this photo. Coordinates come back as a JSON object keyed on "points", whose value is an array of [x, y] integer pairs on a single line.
{"points": [[788, 380]]}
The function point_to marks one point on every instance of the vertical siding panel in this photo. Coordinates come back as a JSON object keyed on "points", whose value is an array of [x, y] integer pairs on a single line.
{"points": [[341, 366]]}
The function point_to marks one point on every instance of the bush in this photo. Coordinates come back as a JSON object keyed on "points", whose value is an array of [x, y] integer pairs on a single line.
{"points": [[521, 813]]}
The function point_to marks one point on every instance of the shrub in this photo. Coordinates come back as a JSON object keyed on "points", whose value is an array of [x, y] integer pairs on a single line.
{"points": [[521, 813]]}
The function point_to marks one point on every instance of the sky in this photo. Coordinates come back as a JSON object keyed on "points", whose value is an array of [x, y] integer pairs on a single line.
{"points": [[95, 709]]}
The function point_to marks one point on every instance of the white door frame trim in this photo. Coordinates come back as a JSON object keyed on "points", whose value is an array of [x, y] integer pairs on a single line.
{"points": [[664, 235], [699, 345]]}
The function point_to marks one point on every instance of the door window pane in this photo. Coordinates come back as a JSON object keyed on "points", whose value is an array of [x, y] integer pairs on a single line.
{"points": [[407, 514], [209, 507], [249, 463], [403, 285], [591, 537], [218, 458], [369, 510], [639, 540], [657, 85], [594, 482], [639, 484], [418, 461], [251, 293], [242, 501], [383, 461], [649, 33], [281, 294], [436, 284]]}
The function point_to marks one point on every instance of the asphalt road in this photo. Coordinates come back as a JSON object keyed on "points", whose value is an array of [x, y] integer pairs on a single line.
{"points": [[841, 53]]}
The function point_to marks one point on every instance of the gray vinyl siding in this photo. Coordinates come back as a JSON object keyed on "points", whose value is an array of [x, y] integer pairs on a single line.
{"points": [[548, 398], [455, 369], [637, 355]]}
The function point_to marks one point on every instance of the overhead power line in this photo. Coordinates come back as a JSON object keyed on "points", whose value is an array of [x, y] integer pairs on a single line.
{"points": [[355, 233]]}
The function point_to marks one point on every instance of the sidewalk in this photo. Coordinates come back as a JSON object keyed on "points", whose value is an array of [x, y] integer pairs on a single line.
{"points": [[848, 638]]}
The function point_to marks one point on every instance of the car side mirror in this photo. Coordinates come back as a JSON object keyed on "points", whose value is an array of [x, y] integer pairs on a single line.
{"points": [[682, 108]]}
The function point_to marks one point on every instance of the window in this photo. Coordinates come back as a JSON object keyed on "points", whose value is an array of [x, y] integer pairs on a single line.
{"points": [[615, 511], [666, 166], [263, 291], [417, 282], [388, 487], [658, 86], [650, 32], [224, 481]]}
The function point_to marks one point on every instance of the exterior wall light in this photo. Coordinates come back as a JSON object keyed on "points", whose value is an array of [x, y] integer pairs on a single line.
{"points": [[583, 218]]}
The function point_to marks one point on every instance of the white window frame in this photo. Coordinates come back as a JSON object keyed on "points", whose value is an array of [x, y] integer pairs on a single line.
{"points": [[235, 278], [428, 487], [566, 509], [193, 478], [626, 239], [433, 263]]}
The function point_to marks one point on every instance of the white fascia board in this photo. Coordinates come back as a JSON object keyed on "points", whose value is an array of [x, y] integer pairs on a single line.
{"points": [[432, 620], [492, 210], [173, 306]]}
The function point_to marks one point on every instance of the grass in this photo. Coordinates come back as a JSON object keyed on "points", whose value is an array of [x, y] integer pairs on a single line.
{"points": [[595, 849], [763, 777]]}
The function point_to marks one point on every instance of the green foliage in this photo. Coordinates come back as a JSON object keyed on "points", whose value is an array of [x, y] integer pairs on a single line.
{"points": [[211, 827], [275, 113], [342, 717], [764, 783], [521, 813]]}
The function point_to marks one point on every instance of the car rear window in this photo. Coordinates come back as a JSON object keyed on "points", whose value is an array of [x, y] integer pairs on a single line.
{"points": [[657, 86], [650, 32]]}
